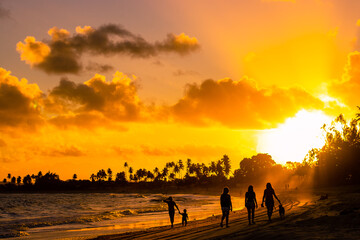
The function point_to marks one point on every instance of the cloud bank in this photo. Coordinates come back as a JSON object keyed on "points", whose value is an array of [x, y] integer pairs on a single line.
{"points": [[62, 53], [107, 103], [19, 102], [240, 104]]}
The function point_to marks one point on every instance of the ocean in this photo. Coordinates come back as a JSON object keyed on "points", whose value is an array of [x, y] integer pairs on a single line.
{"points": [[83, 215]]}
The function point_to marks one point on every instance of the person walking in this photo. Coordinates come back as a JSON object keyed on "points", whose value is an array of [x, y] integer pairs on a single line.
{"points": [[226, 206], [269, 200], [171, 205], [251, 203]]}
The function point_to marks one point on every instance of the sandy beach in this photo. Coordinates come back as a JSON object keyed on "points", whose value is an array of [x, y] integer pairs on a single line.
{"points": [[306, 217]]}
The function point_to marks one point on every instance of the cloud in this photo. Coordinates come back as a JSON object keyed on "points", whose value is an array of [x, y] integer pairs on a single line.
{"points": [[2, 143], [180, 73], [64, 151], [348, 88], [95, 101], [62, 54], [4, 13], [19, 101], [101, 68], [240, 104]]}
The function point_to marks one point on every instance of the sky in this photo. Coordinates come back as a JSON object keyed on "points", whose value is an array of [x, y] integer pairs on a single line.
{"points": [[86, 85]]}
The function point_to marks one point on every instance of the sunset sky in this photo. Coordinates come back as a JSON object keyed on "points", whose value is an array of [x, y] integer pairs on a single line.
{"points": [[87, 84]]}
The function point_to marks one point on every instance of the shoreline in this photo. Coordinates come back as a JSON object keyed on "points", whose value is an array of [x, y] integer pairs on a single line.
{"points": [[306, 217]]}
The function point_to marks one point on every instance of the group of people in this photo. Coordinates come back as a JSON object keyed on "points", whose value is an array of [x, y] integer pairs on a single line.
{"points": [[250, 203], [226, 205], [172, 205]]}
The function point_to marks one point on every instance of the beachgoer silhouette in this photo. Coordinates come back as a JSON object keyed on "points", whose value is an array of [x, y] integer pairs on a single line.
{"points": [[226, 206], [269, 200], [171, 205], [251, 203], [185, 217]]}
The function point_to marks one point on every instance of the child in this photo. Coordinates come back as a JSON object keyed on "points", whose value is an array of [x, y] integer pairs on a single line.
{"points": [[185, 217]]}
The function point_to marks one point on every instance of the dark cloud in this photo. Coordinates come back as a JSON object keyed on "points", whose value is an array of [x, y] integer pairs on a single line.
{"points": [[18, 102], [4, 13], [76, 97], [240, 104], [101, 68], [66, 51], [64, 151], [96, 101]]}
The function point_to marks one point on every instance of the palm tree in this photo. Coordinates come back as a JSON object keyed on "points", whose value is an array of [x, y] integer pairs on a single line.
{"points": [[126, 165], [109, 171], [74, 177], [101, 175], [181, 166], [18, 180], [226, 162], [176, 169], [150, 175], [27, 180], [358, 114], [130, 172], [188, 165], [212, 167], [172, 176], [93, 177], [120, 177], [9, 176], [164, 173], [156, 173]]}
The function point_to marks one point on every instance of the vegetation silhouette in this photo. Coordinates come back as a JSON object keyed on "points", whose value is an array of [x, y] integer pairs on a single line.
{"points": [[335, 163]]}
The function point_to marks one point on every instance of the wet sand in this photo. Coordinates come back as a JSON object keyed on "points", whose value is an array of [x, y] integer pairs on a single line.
{"points": [[306, 217]]}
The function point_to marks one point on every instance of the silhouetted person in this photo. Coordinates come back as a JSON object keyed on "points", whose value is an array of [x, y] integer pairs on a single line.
{"points": [[281, 212], [185, 217], [269, 200], [171, 205], [226, 206], [251, 203]]}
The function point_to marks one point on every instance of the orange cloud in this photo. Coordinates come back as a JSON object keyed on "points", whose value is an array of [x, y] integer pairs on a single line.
{"points": [[19, 101], [96, 101], [240, 104], [349, 87], [64, 151], [32, 52], [63, 52]]}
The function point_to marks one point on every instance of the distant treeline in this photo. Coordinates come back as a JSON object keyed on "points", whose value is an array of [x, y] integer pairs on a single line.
{"points": [[336, 163]]}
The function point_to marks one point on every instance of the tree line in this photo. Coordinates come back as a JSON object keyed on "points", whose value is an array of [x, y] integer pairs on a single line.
{"points": [[335, 163]]}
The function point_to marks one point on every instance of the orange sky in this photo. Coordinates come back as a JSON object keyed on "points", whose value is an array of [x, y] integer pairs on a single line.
{"points": [[85, 86]]}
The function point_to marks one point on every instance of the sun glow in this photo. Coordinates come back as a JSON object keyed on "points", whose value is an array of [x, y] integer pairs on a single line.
{"points": [[292, 140]]}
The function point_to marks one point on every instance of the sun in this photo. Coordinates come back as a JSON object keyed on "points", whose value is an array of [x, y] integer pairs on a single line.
{"points": [[293, 139]]}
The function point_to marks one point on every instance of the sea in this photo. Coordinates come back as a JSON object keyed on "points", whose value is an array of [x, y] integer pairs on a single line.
{"points": [[86, 215]]}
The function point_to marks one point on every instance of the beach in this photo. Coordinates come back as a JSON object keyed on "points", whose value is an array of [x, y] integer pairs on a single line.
{"points": [[306, 217]]}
